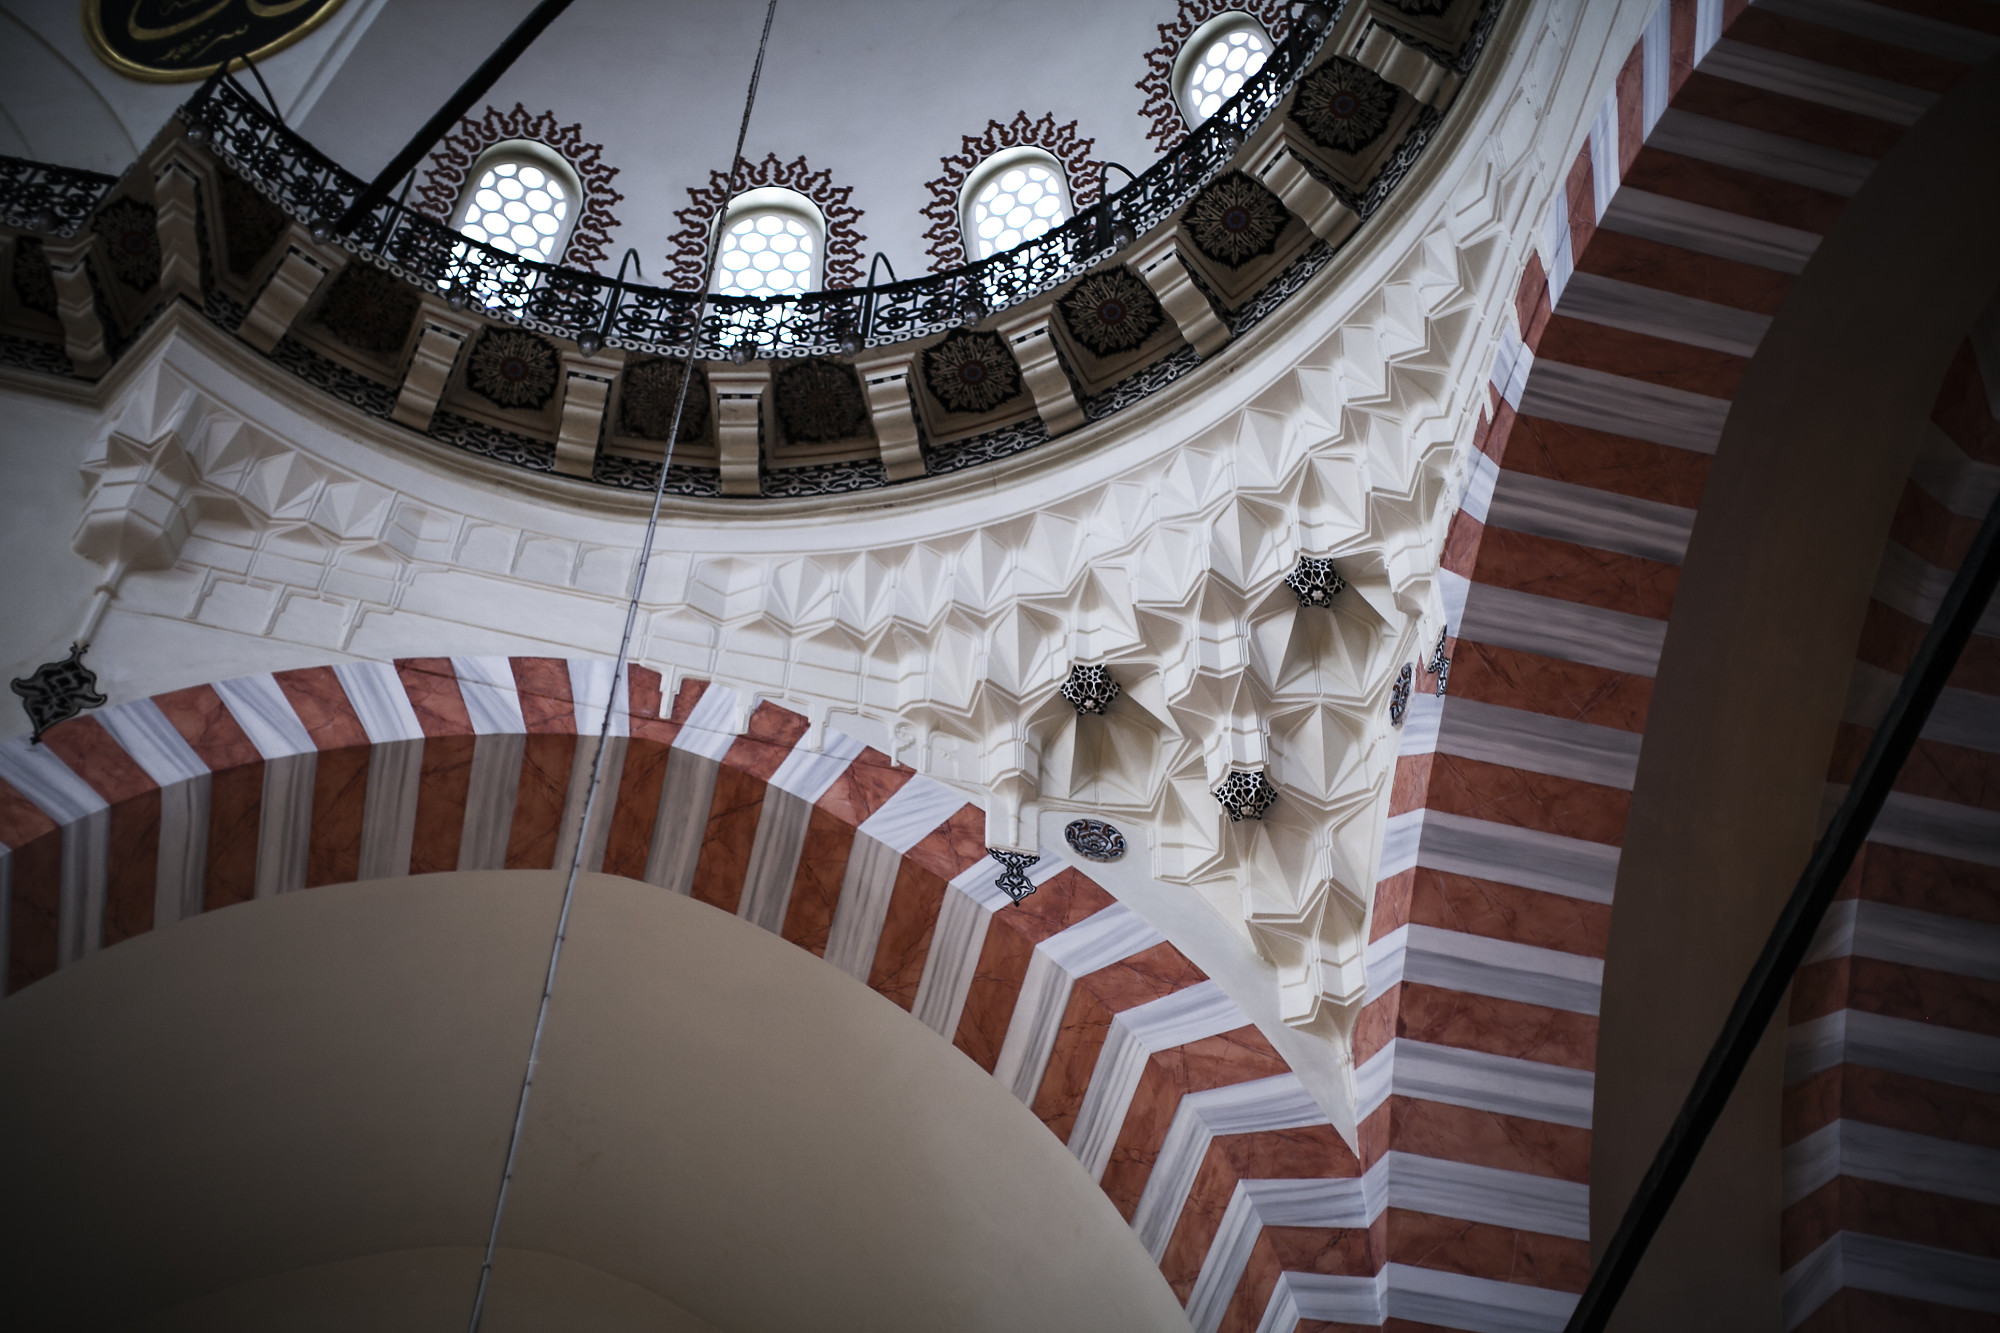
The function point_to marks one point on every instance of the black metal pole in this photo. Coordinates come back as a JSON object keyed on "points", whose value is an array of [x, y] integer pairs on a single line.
{"points": [[1964, 603], [468, 92]]}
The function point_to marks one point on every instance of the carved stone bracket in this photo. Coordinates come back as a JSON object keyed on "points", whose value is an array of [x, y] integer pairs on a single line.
{"points": [[438, 347], [297, 276], [739, 408], [1159, 264], [1285, 173], [886, 381], [586, 389], [1380, 49], [177, 199], [76, 305], [1041, 368]]}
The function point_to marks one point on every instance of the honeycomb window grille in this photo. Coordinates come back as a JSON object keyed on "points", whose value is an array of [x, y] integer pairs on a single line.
{"points": [[773, 244], [1216, 60], [1246, 794], [1014, 881], [1089, 689], [1011, 198], [522, 201], [1315, 581]]}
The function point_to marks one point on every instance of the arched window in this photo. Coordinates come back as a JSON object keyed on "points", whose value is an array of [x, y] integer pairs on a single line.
{"points": [[1216, 59], [773, 244], [1013, 196], [523, 200]]}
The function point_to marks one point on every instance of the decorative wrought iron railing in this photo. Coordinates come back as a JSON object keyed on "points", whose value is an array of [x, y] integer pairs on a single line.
{"points": [[53, 201], [571, 303]]}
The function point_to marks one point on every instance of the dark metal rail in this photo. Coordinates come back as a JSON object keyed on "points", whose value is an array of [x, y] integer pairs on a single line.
{"points": [[567, 302], [52, 200], [1964, 602]]}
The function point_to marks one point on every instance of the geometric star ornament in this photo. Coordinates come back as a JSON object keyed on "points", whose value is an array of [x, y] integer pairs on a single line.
{"points": [[1245, 793], [1315, 581], [58, 691], [1089, 689]]}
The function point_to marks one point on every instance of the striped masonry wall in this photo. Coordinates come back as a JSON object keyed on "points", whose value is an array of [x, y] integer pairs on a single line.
{"points": [[1892, 1104], [151, 812], [1729, 143]]}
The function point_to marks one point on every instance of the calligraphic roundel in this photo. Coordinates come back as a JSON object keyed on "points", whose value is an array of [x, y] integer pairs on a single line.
{"points": [[166, 41]]}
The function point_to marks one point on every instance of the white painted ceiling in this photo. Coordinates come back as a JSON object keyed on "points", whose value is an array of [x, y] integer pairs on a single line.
{"points": [[877, 91]]}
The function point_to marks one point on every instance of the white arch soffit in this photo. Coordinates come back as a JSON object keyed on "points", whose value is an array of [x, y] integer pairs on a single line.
{"points": [[947, 612], [990, 169], [1195, 48]]}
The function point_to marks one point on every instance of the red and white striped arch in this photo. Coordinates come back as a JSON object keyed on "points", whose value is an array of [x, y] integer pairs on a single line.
{"points": [[140, 815], [1892, 1165], [1732, 139]]}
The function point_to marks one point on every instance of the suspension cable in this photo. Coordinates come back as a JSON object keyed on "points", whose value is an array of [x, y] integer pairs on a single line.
{"points": [[617, 675]]}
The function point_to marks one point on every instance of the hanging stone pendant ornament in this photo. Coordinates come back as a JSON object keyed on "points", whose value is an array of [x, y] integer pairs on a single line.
{"points": [[1440, 664], [58, 691], [1014, 880], [1246, 794], [1089, 689], [1399, 695], [1315, 580], [1095, 840]]}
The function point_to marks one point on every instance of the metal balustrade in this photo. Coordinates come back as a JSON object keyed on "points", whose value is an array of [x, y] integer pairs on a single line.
{"points": [[572, 303]]}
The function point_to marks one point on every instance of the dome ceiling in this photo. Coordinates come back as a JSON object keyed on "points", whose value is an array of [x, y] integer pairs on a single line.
{"points": [[874, 93]]}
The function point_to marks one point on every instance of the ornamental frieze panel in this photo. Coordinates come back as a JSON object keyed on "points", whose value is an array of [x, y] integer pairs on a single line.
{"points": [[251, 224], [369, 310], [1111, 312]]}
